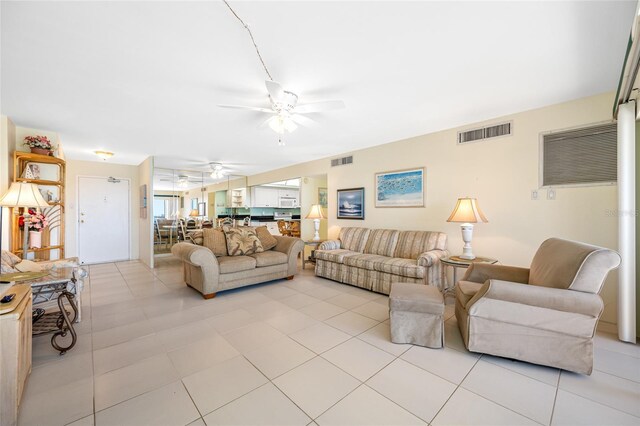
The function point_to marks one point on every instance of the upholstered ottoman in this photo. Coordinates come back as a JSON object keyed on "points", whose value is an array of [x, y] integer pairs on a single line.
{"points": [[416, 314]]}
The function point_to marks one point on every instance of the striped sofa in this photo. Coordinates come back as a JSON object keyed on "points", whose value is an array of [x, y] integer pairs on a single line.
{"points": [[374, 258]]}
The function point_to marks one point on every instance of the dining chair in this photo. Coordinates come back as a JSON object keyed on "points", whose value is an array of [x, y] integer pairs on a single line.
{"points": [[294, 229], [283, 228]]}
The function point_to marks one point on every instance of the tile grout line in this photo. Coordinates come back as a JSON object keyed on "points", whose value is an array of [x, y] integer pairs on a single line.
{"points": [[454, 391]]}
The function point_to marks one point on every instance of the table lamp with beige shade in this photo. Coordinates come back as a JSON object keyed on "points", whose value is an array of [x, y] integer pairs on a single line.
{"points": [[316, 214], [22, 194], [467, 212]]}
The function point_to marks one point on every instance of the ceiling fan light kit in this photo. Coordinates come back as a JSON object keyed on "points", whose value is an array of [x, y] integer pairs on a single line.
{"points": [[284, 104]]}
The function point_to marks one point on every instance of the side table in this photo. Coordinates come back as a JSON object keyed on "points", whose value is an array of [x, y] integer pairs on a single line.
{"points": [[311, 258], [456, 262], [59, 285]]}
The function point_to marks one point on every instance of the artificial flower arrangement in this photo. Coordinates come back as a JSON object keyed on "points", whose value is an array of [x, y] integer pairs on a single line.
{"points": [[38, 143], [37, 223]]}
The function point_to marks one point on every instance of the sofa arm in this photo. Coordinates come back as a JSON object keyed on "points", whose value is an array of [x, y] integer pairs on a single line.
{"points": [[329, 245], [481, 272], [429, 258], [291, 247], [543, 297], [198, 256], [288, 245]]}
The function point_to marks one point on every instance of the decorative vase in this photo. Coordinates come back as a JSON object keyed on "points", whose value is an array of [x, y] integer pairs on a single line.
{"points": [[41, 151], [35, 239]]}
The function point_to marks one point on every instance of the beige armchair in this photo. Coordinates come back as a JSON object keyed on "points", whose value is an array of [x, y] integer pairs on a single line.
{"points": [[546, 314]]}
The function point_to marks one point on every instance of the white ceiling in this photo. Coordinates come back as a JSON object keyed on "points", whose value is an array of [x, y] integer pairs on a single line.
{"points": [[144, 78]]}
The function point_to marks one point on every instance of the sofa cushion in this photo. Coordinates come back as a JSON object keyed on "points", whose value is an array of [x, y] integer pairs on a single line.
{"points": [[230, 264], [465, 290], [268, 258], [353, 239], [402, 267], [268, 241], [364, 261], [336, 256], [214, 240], [242, 241], [382, 242], [412, 243]]}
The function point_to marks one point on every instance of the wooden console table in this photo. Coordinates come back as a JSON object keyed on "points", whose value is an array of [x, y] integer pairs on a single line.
{"points": [[15, 356]]}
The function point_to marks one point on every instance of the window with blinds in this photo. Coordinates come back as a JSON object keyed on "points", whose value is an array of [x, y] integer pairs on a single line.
{"points": [[580, 156]]}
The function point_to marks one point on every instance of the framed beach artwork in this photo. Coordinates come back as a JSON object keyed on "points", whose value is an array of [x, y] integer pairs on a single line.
{"points": [[402, 188], [322, 197], [351, 203]]}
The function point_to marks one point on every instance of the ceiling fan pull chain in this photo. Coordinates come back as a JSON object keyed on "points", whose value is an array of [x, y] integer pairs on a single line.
{"points": [[252, 39]]}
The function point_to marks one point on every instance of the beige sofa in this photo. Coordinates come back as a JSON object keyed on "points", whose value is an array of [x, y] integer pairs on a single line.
{"points": [[546, 314], [210, 274], [374, 258]]}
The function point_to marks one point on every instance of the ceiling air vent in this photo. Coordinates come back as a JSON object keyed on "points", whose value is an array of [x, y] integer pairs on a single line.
{"points": [[342, 161], [473, 135]]}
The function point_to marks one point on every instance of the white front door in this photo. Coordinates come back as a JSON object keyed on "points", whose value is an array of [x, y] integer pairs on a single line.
{"points": [[103, 219]]}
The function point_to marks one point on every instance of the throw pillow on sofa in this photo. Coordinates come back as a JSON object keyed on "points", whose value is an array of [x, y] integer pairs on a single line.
{"points": [[196, 237], [8, 263], [214, 240], [268, 241], [242, 241]]}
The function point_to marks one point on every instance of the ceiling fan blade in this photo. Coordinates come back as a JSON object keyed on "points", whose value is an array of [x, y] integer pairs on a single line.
{"points": [[275, 90], [319, 107], [269, 110], [304, 121]]}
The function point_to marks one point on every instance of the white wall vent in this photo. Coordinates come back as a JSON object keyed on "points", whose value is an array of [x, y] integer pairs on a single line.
{"points": [[584, 156], [342, 161], [494, 131]]}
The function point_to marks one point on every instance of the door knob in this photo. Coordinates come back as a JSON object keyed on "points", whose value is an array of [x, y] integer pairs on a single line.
{"points": [[82, 221]]}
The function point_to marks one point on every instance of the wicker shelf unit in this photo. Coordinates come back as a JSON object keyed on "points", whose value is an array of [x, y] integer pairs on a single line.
{"points": [[54, 213]]}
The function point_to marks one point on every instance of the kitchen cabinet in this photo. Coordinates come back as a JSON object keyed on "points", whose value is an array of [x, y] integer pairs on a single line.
{"points": [[263, 196], [237, 197]]}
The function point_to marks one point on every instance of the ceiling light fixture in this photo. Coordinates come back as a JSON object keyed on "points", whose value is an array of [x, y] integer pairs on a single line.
{"points": [[282, 123], [216, 172], [105, 155]]}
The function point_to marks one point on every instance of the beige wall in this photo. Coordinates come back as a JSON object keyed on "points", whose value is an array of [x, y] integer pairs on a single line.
{"points": [[145, 177], [501, 173], [103, 169], [7, 146], [309, 196]]}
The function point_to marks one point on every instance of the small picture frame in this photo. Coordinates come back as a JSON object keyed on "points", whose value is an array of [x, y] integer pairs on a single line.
{"points": [[351, 203], [323, 197], [31, 171]]}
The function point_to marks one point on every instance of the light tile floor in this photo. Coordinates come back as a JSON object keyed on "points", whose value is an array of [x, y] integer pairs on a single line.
{"points": [[153, 352]]}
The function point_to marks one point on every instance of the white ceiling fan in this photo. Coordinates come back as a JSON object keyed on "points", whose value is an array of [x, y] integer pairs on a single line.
{"points": [[181, 180], [216, 169], [287, 114]]}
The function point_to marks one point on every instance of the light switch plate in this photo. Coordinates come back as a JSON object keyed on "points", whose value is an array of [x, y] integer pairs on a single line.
{"points": [[534, 194], [551, 194]]}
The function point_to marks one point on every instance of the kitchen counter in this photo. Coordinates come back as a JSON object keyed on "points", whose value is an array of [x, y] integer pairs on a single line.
{"points": [[258, 218]]}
